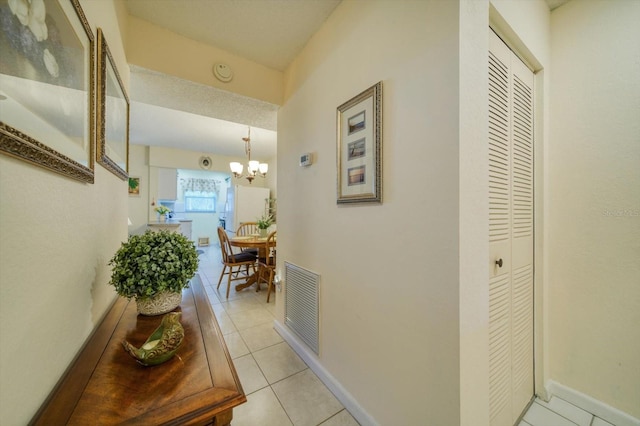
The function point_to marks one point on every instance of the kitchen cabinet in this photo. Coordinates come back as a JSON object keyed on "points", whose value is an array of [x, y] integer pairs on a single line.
{"points": [[167, 184]]}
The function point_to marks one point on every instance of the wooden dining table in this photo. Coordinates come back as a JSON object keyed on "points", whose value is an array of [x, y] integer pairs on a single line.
{"points": [[250, 241]]}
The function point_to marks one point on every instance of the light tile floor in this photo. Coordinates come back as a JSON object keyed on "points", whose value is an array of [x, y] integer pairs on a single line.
{"points": [[558, 412], [281, 389]]}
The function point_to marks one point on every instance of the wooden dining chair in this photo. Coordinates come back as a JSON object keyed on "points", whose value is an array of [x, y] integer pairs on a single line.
{"points": [[245, 229], [233, 262], [267, 264]]}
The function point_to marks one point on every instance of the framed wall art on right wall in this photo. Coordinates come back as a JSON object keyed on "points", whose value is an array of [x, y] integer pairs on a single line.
{"points": [[360, 148]]}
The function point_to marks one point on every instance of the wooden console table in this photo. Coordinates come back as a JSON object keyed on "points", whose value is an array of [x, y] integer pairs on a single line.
{"points": [[104, 385]]}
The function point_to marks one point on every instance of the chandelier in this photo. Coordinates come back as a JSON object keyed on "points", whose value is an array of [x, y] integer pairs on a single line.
{"points": [[253, 167]]}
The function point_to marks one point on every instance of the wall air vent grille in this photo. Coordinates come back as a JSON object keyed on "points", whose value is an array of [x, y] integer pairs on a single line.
{"points": [[302, 304]]}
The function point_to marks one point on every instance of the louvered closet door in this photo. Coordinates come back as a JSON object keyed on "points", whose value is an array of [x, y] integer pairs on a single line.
{"points": [[510, 234]]}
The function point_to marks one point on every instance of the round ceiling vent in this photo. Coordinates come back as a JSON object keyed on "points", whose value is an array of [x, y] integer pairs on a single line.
{"points": [[223, 72], [205, 162]]}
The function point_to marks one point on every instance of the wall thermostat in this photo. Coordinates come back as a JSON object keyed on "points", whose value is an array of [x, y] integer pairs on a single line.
{"points": [[306, 159]]}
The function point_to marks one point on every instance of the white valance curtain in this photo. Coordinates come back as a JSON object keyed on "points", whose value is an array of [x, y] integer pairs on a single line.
{"points": [[200, 185]]}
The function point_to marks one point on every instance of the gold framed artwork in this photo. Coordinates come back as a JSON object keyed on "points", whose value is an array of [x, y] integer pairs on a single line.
{"points": [[360, 148], [47, 86], [113, 114]]}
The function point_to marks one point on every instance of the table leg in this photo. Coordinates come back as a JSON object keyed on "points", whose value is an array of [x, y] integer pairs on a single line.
{"points": [[250, 280], [224, 418]]}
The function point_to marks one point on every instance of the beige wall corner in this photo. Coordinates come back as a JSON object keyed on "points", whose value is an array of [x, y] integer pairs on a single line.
{"points": [[474, 214], [594, 205]]}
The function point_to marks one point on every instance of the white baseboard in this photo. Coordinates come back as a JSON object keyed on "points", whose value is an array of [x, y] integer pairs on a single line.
{"points": [[592, 405], [330, 382]]}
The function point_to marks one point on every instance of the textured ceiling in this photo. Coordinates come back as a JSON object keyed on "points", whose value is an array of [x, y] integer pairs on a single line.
{"points": [[171, 112]]}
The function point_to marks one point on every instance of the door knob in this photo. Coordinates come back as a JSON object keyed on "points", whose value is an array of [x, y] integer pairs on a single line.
{"points": [[499, 263]]}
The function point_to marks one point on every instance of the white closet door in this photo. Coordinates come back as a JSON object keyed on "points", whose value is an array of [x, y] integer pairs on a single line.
{"points": [[510, 234]]}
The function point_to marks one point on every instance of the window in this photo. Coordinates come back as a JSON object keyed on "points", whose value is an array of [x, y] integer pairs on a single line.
{"points": [[200, 193], [201, 202]]}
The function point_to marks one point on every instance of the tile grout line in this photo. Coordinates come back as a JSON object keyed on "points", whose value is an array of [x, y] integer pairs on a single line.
{"points": [[269, 385], [557, 414], [254, 296], [567, 419]]}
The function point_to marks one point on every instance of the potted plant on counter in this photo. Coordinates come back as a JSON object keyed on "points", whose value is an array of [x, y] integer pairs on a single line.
{"points": [[153, 268], [264, 223], [162, 211]]}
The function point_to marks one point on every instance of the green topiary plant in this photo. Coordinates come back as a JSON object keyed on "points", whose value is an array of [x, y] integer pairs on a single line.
{"points": [[154, 262]]}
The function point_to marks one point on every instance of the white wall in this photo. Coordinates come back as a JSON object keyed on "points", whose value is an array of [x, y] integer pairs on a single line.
{"points": [[389, 272], [57, 236], [594, 208]]}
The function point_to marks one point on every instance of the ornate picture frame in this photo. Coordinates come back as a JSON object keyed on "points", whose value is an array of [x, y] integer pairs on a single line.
{"points": [[113, 114], [47, 87], [359, 148]]}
